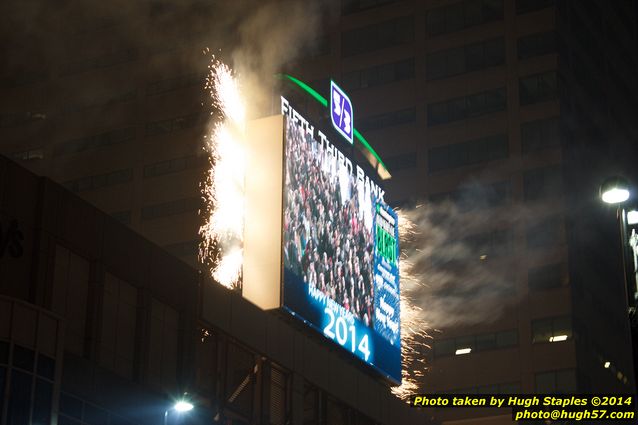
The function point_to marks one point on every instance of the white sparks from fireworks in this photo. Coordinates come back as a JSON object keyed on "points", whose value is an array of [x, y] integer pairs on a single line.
{"points": [[223, 189], [221, 247], [413, 328]]}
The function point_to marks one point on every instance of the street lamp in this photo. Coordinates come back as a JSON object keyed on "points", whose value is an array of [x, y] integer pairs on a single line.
{"points": [[614, 190], [181, 406]]}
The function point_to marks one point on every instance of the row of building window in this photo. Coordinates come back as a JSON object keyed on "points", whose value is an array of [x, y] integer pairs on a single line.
{"points": [[354, 6], [104, 102], [485, 149], [476, 196], [387, 119], [401, 162], [97, 141], [74, 411], [532, 89], [126, 134], [379, 36], [503, 388], [173, 124], [98, 181], [28, 375], [165, 209], [175, 83], [546, 330], [473, 343], [467, 107], [174, 165], [551, 382], [118, 340], [461, 15], [469, 58], [545, 277], [379, 75], [105, 61]]}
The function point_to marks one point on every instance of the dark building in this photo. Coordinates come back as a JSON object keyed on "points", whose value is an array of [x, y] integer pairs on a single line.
{"points": [[507, 113], [100, 326]]}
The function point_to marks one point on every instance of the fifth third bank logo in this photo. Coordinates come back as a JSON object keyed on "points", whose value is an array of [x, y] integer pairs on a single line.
{"points": [[341, 112]]}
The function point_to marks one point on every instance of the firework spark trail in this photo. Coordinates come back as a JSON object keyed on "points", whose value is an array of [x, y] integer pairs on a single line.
{"points": [[414, 330], [222, 232], [223, 189]]}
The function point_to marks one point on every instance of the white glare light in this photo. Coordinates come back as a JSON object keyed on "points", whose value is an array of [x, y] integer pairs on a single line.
{"points": [[632, 217], [183, 406], [558, 338], [615, 196], [463, 351], [607, 364]]}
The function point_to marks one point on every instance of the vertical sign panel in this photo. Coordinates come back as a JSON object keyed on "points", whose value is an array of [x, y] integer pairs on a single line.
{"points": [[340, 249]]}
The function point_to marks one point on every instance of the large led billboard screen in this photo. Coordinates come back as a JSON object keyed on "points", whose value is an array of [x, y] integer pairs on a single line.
{"points": [[339, 248]]}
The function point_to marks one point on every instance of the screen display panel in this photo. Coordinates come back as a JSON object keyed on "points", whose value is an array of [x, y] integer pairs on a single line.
{"points": [[340, 249]]}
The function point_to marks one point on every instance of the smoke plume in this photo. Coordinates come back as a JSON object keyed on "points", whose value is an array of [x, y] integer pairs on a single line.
{"points": [[459, 260]]}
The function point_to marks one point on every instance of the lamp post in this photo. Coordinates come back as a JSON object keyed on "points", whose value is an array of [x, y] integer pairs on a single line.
{"points": [[615, 191], [181, 406]]}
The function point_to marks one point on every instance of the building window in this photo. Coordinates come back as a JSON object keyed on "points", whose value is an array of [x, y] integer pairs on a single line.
{"points": [[183, 249], [122, 216], [28, 155], [69, 297], [17, 119], [546, 234], [378, 36], [105, 61], [538, 88], [540, 134], [541, 183], [495, 243], [401, 162], [207, 373], [504, 388], [379, 75], [29, 379], [240, 380], [106, 101], [278, 396], [97, 141], [174, 165], [476, 197], [555, 329], [74, 411], [354, 6], [556, 382], [162, 346], [99, 180], [545, 277], [472, 152], [175, 83], [466, 14], [539, 44], [387, 119], [467, 107], [172, 124], [165, 209], [461, 60], [526, 6], [482, 342], [119, 319]]}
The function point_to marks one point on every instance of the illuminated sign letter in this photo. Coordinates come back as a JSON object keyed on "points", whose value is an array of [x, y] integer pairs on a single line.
{"points": [[341, 112]]}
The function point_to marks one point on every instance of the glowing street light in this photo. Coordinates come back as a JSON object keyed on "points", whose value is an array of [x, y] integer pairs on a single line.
{"points": [[614, 190], [181, 406]]}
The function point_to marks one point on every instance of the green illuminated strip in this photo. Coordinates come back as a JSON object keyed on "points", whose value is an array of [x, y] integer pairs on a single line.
{"points": [[319, 98]]}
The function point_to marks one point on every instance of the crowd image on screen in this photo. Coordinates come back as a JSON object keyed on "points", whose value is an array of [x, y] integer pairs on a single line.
{"points": [[327, 240]]}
